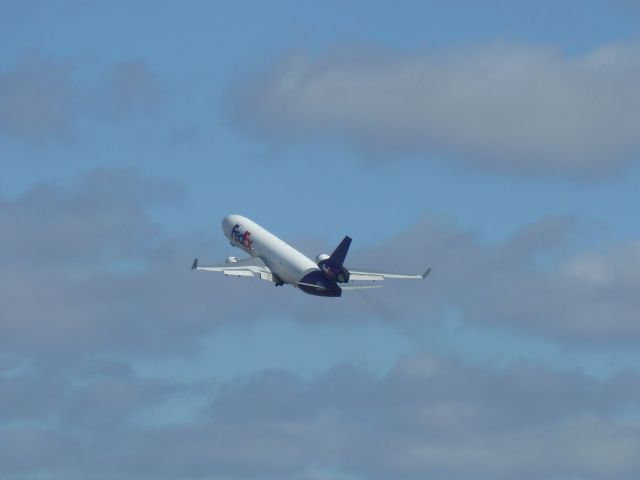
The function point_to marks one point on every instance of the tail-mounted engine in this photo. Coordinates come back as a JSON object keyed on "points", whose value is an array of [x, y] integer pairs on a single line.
{"points": [[331, 265], [333, 270]]}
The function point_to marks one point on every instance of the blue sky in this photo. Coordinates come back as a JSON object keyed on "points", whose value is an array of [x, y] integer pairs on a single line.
{"points": [[495, 141]]}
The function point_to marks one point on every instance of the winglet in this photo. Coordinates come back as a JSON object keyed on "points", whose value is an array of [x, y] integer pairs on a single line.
{"points": [[194, 266], [426, 273]]}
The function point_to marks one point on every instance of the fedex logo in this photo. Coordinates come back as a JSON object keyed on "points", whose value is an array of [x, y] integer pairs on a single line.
{"points": [[242, 238]]}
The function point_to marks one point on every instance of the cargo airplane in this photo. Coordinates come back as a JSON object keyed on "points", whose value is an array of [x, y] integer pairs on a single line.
{"points": [[274, 260]]}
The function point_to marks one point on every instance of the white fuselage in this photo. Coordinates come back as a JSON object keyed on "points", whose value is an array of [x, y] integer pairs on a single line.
{"points": [[284, 261]]}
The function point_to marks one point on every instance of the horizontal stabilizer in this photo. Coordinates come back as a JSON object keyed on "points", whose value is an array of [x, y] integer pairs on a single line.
{"points": [[312, 285], [359, 287]]}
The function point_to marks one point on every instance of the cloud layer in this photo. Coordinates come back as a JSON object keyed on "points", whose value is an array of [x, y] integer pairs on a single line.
{"points": [[502, 107], [429, 416], [525, 283], [85, 267], [42, 98], [86, 275]]}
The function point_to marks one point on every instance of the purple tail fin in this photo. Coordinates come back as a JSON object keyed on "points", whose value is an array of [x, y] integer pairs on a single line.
{"points": [[332, 267], [340, 253]]}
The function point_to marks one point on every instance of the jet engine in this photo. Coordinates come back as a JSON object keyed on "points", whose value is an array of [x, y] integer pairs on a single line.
{"points": [[321, 257], [232, 259]]}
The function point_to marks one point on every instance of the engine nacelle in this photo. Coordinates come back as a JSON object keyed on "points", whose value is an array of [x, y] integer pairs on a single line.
{"points": [[333, 270], [321, 257], [232, 259]]}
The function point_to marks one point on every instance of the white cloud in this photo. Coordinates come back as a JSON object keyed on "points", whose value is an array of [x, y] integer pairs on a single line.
{"points": [[64, 305], [528, 282], [86, 269], [445, 420], [502, 107]]}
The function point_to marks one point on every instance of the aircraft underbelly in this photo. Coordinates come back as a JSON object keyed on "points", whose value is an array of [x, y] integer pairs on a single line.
{"points": [[283, 260]]}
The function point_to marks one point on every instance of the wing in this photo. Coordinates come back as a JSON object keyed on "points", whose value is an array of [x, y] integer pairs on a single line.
{"points": [[249, 267], [379, 276]]}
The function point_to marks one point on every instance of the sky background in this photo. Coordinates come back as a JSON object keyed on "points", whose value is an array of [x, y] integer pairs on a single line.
{"points": [[495, 141]]}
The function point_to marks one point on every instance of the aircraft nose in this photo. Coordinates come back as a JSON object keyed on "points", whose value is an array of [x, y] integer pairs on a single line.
{"points": [[231, 221], [227, 224]]}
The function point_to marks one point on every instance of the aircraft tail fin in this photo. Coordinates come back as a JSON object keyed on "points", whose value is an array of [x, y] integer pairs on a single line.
{"points": [[333, 266], [340, 253]]}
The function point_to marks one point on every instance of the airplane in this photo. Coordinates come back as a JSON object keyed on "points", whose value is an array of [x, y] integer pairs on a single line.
{"points": [[273, 260]]}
